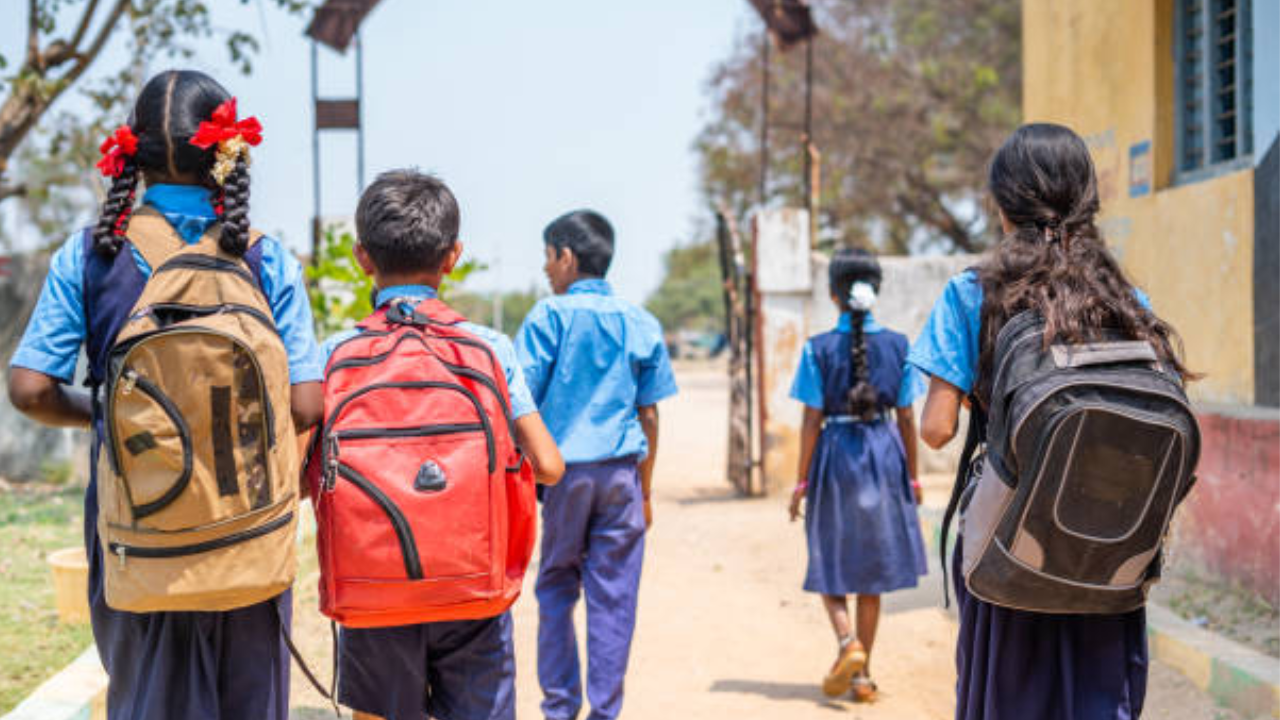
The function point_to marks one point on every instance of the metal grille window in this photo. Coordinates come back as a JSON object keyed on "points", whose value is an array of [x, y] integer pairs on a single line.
{"points": [[1214, 46]]}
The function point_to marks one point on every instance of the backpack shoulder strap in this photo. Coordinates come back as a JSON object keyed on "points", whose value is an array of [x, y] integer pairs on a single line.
{"points": [[438, 312]]}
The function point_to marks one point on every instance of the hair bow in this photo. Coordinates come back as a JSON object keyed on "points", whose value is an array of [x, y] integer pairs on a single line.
{"points": [[862, 296], [118, 146], [232, 136]]}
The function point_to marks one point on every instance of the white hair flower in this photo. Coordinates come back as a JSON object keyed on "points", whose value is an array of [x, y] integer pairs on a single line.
{"points": [[862, 296]]}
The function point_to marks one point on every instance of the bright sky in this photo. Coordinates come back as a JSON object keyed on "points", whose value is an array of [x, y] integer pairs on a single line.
{"points": [[526, 109]]}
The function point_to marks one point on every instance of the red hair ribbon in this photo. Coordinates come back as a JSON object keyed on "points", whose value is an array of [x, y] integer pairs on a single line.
{"points": [[224, 126], [118, 146]]}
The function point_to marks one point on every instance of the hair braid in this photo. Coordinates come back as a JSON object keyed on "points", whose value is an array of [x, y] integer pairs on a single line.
{"points": [[116, 209], [235, 212], [862, 396]]}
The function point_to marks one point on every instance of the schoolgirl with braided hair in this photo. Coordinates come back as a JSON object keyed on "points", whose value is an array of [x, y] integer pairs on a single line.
{"points": [[183, 155], [857, 469]]}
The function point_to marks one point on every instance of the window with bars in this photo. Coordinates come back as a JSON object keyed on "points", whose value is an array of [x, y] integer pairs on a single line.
{"points": [[1214, 47]]}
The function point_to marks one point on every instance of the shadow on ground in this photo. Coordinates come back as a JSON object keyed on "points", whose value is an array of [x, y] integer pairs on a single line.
{"points": [[803, 692]]}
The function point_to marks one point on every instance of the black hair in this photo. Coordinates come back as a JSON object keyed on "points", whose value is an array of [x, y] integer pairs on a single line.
{"points": [[1054, 259], [849, 266], [165, 116], [407, 221], [586, 234]]}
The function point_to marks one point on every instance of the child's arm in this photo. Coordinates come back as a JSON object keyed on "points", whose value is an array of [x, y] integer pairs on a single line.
{"points": [[47, 400], [540, 448], [907, 429], [941, 413], [649, 423], [809, 432], [306, 401]]}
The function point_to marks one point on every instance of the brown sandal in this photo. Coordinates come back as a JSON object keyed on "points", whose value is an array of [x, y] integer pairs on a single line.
{"points": [[849, 663], [864, 690]]}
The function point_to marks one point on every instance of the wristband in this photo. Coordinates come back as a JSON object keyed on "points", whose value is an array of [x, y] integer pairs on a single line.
{"points": [[915, 484], [801, 486]]}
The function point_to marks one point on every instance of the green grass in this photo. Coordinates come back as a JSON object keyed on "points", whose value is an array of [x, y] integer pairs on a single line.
{"points": [[1223, 608], [34, 520]]}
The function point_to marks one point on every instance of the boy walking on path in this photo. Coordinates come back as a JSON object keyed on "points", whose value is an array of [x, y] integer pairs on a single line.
{"points": [[460, 669], [597, 368]]}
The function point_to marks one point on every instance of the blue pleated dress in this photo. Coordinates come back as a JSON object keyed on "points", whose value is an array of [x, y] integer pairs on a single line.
{"points": [[860, 521]]}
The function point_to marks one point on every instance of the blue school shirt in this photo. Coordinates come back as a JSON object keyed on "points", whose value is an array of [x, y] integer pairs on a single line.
{"points": [[521, 401], [948, 345], [591, 359], [807, 385], [51, 343]]}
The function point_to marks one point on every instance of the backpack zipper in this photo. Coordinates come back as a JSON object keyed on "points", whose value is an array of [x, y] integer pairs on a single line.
{"points": [[423, 384], [121, 551], [207, 310], [193, 261], [404, 533], [148, 388], [422, 431]]}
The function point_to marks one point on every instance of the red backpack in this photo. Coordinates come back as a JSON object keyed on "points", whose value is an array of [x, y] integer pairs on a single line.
{"points": [[425, 504]]}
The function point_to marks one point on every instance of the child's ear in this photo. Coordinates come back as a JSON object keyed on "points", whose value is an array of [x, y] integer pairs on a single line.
{"points": [[451, 259], [362, 259]]}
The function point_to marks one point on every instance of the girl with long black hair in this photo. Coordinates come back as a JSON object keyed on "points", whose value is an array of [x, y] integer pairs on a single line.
{"points": [[857, 469], [186, 144], [1015, 664]]}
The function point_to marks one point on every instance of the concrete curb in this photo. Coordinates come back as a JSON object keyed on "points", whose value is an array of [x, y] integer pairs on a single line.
{"points": [[77, 692], [1235, 676]]}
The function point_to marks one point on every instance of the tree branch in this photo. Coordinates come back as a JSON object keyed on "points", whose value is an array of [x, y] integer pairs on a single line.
{"points": [[84, 59], [83, 27], [8, 191], [33, 34]]}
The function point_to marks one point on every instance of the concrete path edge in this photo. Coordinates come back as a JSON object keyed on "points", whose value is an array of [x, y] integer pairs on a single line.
{"points": [[77, 692]]}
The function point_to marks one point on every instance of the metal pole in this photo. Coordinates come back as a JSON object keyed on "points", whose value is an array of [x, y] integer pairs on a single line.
{"points": [[808, 120], [359, 114], [315, 154], [764, 118]]}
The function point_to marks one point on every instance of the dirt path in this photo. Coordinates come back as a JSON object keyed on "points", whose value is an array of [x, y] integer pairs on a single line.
{"points": [[724, 629]]}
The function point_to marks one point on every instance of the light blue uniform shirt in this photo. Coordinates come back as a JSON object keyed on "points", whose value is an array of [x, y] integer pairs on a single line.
{"points": [[948, 345], [591, 359], [503, 350], [51, 343], [807, 384]]}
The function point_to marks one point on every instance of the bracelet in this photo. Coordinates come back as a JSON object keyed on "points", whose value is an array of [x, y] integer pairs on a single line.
{"points": [[915, 484], [801, 486]]}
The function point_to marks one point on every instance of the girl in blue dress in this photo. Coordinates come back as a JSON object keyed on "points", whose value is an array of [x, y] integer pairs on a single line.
{"points": [[225, 665], [857, 473], [1014, 664]]}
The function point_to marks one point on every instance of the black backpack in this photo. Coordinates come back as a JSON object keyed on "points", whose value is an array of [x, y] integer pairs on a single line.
{"points": [[1088, 450]]}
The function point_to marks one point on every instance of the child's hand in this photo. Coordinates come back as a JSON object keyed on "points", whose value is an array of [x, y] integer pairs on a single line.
{"points": [[797, 496]]}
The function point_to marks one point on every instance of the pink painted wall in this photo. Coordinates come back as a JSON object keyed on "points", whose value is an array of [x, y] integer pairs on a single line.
{"points": [[1230, 524]]}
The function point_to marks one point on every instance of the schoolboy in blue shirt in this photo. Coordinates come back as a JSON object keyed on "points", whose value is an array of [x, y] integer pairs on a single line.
{"points": [[597, 367], [407, 224]]}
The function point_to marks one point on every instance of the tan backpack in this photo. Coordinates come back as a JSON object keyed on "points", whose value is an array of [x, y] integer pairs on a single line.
{"points": [[198, 479]]}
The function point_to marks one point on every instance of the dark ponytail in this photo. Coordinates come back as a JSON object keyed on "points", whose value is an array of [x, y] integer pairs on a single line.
{"points": [[166, 115], [848, 267], [1054, 260], [116, 210]]}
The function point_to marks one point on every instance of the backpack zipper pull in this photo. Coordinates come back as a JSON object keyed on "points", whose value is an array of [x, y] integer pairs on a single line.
{"points": [[120, 554], [130, 379], [331, 468]]}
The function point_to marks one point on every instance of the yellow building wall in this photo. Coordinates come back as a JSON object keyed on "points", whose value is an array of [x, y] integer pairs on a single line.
{"points": [[1105, 68]]}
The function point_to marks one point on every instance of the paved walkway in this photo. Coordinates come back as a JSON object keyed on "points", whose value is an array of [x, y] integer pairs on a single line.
{"points": [[725, 631]]}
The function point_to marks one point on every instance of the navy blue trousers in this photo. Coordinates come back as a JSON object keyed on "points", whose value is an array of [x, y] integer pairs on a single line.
{"points": [[229, 665], [1017, 665], [593, 540]]}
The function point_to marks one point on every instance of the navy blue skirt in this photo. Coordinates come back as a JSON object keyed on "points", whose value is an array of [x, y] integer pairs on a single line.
{"points": [[860, 519], [230, 665], [1017, 665]]}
